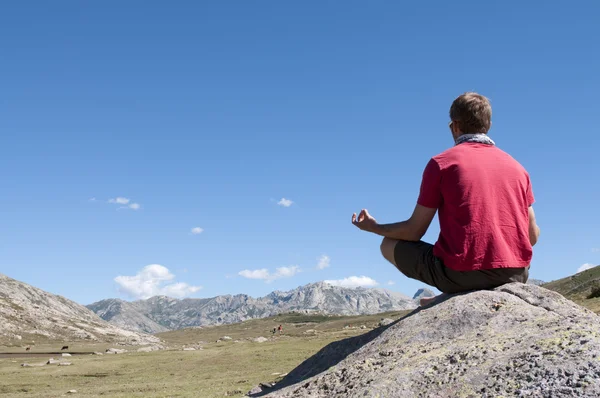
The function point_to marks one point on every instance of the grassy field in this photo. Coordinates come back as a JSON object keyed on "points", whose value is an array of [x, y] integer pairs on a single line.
{"points": [[224, 368], [578, 288]]}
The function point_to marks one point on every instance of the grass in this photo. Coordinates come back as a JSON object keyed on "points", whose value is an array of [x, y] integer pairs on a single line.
{"points": [[579, 287], [220, 368]]}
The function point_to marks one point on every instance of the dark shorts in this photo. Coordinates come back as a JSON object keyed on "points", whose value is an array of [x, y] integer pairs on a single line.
{"points": [[416, 261]]}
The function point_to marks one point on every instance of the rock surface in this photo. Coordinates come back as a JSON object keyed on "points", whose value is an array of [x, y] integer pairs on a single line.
{"points": [[161, 313], [516, 340], [30, 314]]}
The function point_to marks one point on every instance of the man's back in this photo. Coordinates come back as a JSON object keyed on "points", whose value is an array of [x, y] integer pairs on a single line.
{"points": [[482, 195]]}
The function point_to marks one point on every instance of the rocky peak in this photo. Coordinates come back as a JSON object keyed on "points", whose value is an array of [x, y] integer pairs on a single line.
{"points": [[423, 292]]}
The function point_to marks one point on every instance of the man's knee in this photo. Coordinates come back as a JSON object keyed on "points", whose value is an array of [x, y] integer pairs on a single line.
{"points": [[388, 247]]}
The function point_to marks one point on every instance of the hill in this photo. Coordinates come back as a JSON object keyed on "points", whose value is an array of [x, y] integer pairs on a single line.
{"points": [[30, 314], [161, 313], [579, 287]]}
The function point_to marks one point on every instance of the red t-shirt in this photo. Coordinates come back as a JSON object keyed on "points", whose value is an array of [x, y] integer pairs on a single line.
{"points": [[482, 195]]}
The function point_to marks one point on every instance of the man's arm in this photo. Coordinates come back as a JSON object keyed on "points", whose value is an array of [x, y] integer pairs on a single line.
{"points": [[534, 230], [412, 229]]}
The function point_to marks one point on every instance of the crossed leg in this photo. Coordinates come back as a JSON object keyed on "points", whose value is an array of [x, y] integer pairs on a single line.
{"points": [[388, 250], [417, 261]]}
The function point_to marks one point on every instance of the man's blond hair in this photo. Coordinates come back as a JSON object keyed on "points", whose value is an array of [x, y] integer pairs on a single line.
{"points": [[473, 112]]}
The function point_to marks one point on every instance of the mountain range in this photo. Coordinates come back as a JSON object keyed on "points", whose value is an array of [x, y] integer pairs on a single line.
{"points": [[161, 313], [29, 314]]}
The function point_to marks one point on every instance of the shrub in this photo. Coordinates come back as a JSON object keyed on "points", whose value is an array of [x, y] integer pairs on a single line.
{"points": [[595, 289]]}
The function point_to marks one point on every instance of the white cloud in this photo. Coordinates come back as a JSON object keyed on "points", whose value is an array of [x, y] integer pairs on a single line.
{"points": [[391, 283], [125, 203], [286, 272], [584, 267], [264, 274], [197, 230], [91, 199], [154, 280], [119, 200], [324, 262], [255, 274], [285, 202], [595, 249], [353, 281], [179, 290]]}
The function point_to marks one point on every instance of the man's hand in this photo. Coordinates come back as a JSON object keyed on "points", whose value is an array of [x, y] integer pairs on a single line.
{"points": [[365, 221], [412, 229]]}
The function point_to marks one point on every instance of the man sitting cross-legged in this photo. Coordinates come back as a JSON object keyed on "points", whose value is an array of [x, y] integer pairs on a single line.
{"points": [[484, 198]]}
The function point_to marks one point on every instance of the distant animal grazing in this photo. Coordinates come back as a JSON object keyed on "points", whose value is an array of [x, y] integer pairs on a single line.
{"points": [[27, 348], [65, 347]]}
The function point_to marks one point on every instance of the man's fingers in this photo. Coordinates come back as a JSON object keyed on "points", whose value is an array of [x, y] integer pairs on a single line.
{"points": [[363, 215], [353, 218]]}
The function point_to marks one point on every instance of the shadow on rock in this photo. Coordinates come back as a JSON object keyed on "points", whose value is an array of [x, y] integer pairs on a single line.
{"points": [[330, 355]]}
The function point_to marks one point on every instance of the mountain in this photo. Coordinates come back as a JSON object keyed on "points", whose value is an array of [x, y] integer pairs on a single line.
{"points": [[423, 292], [160, 313], [30, 314], [580, 288], [126, 315]]}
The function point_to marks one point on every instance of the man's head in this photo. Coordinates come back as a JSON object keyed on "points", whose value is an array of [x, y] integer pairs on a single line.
{"points": [[470, 113]]}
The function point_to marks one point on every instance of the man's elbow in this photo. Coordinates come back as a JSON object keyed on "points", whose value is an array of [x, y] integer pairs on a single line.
{"points": [[534, 236]]}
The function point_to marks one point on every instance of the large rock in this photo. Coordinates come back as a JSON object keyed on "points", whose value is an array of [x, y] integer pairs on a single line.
{"points": [[516, 340]]}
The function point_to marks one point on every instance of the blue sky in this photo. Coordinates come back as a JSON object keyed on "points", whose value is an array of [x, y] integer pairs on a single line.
{"points": [[208, 114]]}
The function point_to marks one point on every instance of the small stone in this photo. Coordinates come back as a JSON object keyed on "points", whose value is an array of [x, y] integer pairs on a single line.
{"points": [[66, 354], [32, 365], [115, 351], [72, 392], [65, 364], [255, 390]]}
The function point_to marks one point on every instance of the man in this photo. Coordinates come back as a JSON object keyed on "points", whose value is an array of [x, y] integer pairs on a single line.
{"points": [[484, 198]]}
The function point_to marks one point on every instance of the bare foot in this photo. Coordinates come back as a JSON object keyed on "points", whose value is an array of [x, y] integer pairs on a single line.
{"points": [[428, 300]]}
